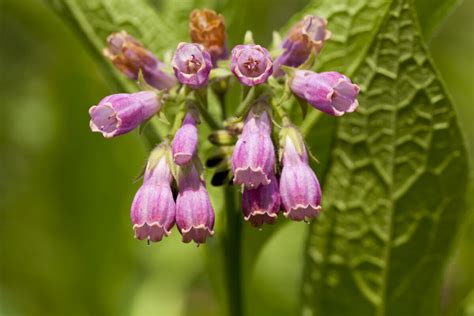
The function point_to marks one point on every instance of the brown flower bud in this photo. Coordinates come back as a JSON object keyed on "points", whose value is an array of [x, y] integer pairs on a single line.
{"points": [[129, 56], [207, 28]]}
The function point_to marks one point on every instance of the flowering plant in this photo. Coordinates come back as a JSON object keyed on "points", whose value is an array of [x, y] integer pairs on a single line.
{"points": [[200, 68], [388, 151]]}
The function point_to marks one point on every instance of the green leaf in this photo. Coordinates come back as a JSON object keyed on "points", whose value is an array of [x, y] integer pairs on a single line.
{"points": [[395, 190], [432, 13]]}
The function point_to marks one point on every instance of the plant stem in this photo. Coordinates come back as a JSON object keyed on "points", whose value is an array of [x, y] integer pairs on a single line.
{"points": [[201, 98], [232, 253], [248, 98]]}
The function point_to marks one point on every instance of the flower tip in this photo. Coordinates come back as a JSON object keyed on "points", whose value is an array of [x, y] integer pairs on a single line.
{"points": [[153, 232], [302, 212], [250, 177], [258, 218], [198, 234]]}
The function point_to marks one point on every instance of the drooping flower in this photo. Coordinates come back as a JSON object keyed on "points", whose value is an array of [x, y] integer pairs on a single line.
{"points": [[192, 65], [251, 64], [253, 159], [153, 208], [305, 37], [129, 56], [185, 141], [330, 92], [261, 205], [194, 212], [299, 188], [207, 28], [118, 114]]}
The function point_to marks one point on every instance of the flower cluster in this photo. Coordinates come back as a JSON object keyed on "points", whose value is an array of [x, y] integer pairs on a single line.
{"points": [[274, 175]]}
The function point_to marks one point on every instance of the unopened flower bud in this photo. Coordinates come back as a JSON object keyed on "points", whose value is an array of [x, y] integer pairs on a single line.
{"points": [[153, 208], [222, 138], [129, 56], [305, 37], [194, 212], [251, 64], [329, 92], [185, 141], [253, 160], [260, 206], [299, 188], [192, 65], [118, 114], [207, 28]]}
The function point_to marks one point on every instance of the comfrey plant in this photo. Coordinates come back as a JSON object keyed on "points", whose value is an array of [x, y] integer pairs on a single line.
{"points": [[257, 146]]}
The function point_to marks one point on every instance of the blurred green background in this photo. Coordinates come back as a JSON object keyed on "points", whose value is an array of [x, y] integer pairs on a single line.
{"points": [[66, 245]]}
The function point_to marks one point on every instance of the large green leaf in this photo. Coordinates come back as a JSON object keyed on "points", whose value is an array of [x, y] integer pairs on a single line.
{"points": [[396, 183], [432, 13]]}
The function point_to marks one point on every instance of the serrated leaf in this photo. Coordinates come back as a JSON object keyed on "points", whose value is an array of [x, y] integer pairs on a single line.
{"points": [[395, 190]]}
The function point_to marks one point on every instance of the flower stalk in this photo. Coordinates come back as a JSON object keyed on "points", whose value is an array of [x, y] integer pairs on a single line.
{"points": [[245, 152], [232, 252]]}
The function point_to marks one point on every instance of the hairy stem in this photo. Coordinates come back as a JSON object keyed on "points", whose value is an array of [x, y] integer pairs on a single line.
{"points": [[201, 98], [249, 97], [232, 253]]}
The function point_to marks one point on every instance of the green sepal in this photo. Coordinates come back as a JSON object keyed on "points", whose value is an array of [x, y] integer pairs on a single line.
{"points": [[303, 105], [276, 41], [173, 167], [248, 38], [162, 118], [290, 71], [142, 126], [140, 175], [311, 155], [157, 153], [274, 83], [274, 53], [142, 82], [309, 63], [294, 134]]}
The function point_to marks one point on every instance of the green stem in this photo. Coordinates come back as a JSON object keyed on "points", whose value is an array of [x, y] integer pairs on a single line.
{"points": [[280, 111], [207, 116], [249, 98], [232, 250], [221, 97], [201, 98]]}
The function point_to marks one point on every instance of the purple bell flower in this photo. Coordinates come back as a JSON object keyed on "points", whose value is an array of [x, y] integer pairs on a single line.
{"points": [[299, 188], [329, 92], [185, 141], [129, 56], [261, 206], [153, 208], [118, 114], [253, 159], [305, 37], [194, 212], [251, 64], [192, 65]]}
